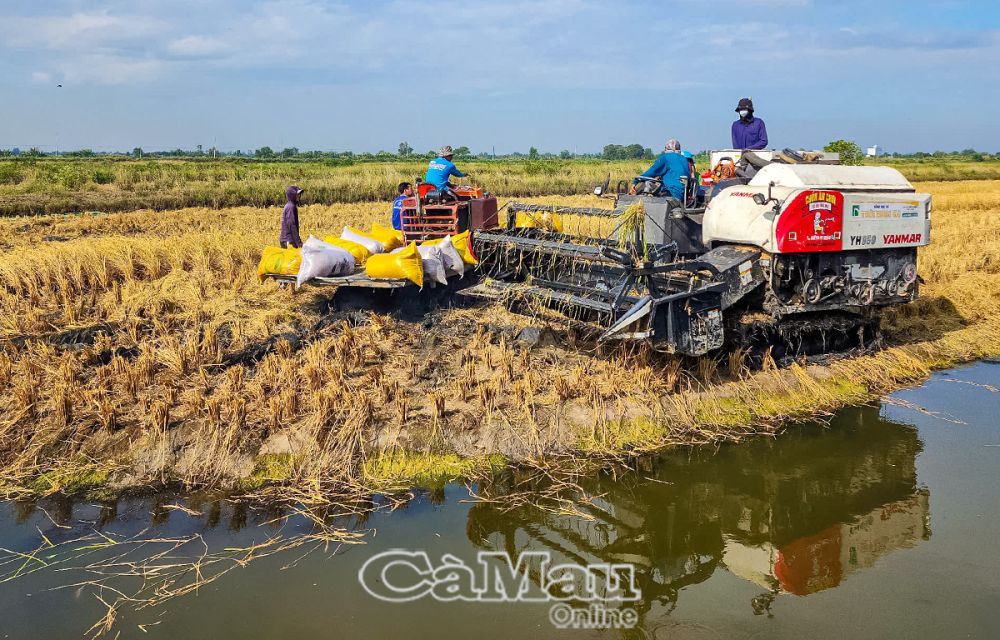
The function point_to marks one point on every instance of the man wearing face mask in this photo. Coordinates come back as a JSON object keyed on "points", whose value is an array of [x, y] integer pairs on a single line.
{"points": [[748, 132]]}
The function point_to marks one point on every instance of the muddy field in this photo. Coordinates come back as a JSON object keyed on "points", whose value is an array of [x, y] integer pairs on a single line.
{"points": [[140, 349]]}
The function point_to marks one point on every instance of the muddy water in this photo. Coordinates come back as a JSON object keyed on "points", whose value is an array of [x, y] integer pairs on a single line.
{"points": [[881, 524]]}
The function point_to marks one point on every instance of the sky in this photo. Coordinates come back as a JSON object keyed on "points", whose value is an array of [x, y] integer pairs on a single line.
{"points": [[496, 74]]}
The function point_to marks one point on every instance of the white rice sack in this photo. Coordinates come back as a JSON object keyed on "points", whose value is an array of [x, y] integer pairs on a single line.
{"points": [[434, 260], [434, 270], [344, 266], [321, 259], [429, 251], [374, 246], [453, 263]]}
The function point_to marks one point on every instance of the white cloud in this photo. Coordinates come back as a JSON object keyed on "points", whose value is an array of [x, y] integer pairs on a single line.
{"points": [[197, 47], [513, 45], [109, 69], [79, 31], [778, 3]]}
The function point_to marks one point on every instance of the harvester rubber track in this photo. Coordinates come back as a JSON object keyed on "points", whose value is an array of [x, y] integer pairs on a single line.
{"points": [[792, 337]]}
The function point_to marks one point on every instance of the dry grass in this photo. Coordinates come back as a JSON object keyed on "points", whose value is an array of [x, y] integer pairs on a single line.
{"points": [[119, 335], [56, 185]]}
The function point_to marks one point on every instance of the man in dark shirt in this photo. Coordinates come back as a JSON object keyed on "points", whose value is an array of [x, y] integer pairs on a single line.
{"points": [[748, 132], [290, 219]]}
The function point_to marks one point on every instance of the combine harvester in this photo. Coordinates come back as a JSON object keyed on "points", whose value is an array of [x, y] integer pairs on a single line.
{"points": [[798, 258]]}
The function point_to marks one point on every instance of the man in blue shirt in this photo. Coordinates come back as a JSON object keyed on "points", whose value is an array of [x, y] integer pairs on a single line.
{"points": [[441, 168], [670, 167], [405, 191], [748, 132]]}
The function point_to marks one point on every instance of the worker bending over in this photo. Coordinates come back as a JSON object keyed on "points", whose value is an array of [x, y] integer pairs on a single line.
{"points": [[405, 191], [748, 132], [669, 168], [441, 168]]}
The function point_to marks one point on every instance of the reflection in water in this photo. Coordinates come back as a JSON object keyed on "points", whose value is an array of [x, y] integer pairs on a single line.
{"points": [[797, 514], [172, 512]]}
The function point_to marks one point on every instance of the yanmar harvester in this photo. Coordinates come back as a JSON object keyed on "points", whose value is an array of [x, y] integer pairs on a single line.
{"points": [[797, 258]]}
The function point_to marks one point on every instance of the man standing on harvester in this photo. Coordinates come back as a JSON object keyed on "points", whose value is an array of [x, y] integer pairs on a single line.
{"points": [[669, 168], [441, 168], [748, 132]]}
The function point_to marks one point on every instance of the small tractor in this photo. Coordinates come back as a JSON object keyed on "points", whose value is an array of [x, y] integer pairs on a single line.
{"points": [[433, 214]]}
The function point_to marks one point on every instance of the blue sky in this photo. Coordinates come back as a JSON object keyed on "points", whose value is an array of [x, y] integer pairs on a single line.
{"points": [[556, 74]]}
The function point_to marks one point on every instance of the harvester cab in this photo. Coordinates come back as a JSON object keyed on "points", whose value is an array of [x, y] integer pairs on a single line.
{"points": [[792, 242], [432, 213]]}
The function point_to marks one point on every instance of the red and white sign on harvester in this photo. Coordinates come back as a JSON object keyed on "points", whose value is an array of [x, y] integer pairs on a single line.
{"points": [[814, 221]]}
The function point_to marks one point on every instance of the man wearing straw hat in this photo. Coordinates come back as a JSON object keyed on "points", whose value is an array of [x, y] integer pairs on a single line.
{"points": [[441, 168]]}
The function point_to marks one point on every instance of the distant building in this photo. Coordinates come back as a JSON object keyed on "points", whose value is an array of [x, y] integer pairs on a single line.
{"points": [[874, 152]]}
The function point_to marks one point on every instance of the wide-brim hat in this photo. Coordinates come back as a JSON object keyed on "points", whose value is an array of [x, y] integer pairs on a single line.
{"points": [[745, 103], [446, 150]]}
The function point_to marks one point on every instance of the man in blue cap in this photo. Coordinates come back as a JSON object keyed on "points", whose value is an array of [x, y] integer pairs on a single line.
{"points": [[748, 132], [693, 182]]}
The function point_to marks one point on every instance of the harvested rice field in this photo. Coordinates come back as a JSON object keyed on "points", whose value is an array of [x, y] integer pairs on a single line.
{"points": [[140, 349]]}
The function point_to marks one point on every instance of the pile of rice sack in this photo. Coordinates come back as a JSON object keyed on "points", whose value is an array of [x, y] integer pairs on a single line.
{"points": [[380, 251]]}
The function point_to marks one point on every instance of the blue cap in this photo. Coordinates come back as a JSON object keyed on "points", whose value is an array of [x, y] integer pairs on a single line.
{"points": [[687, 154]]}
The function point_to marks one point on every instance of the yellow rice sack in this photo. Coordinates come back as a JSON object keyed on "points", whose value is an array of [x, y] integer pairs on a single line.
{"points": [[359, 252], [461, 242], [390, 238], [281, 261], [405, 263], [544, 220]]}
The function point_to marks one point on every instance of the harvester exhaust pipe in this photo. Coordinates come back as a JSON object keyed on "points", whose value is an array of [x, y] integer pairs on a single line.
{"points": [[417, 181]]}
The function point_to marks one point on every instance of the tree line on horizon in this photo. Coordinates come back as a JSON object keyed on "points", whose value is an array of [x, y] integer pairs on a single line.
{"points": [[851, 153]]}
